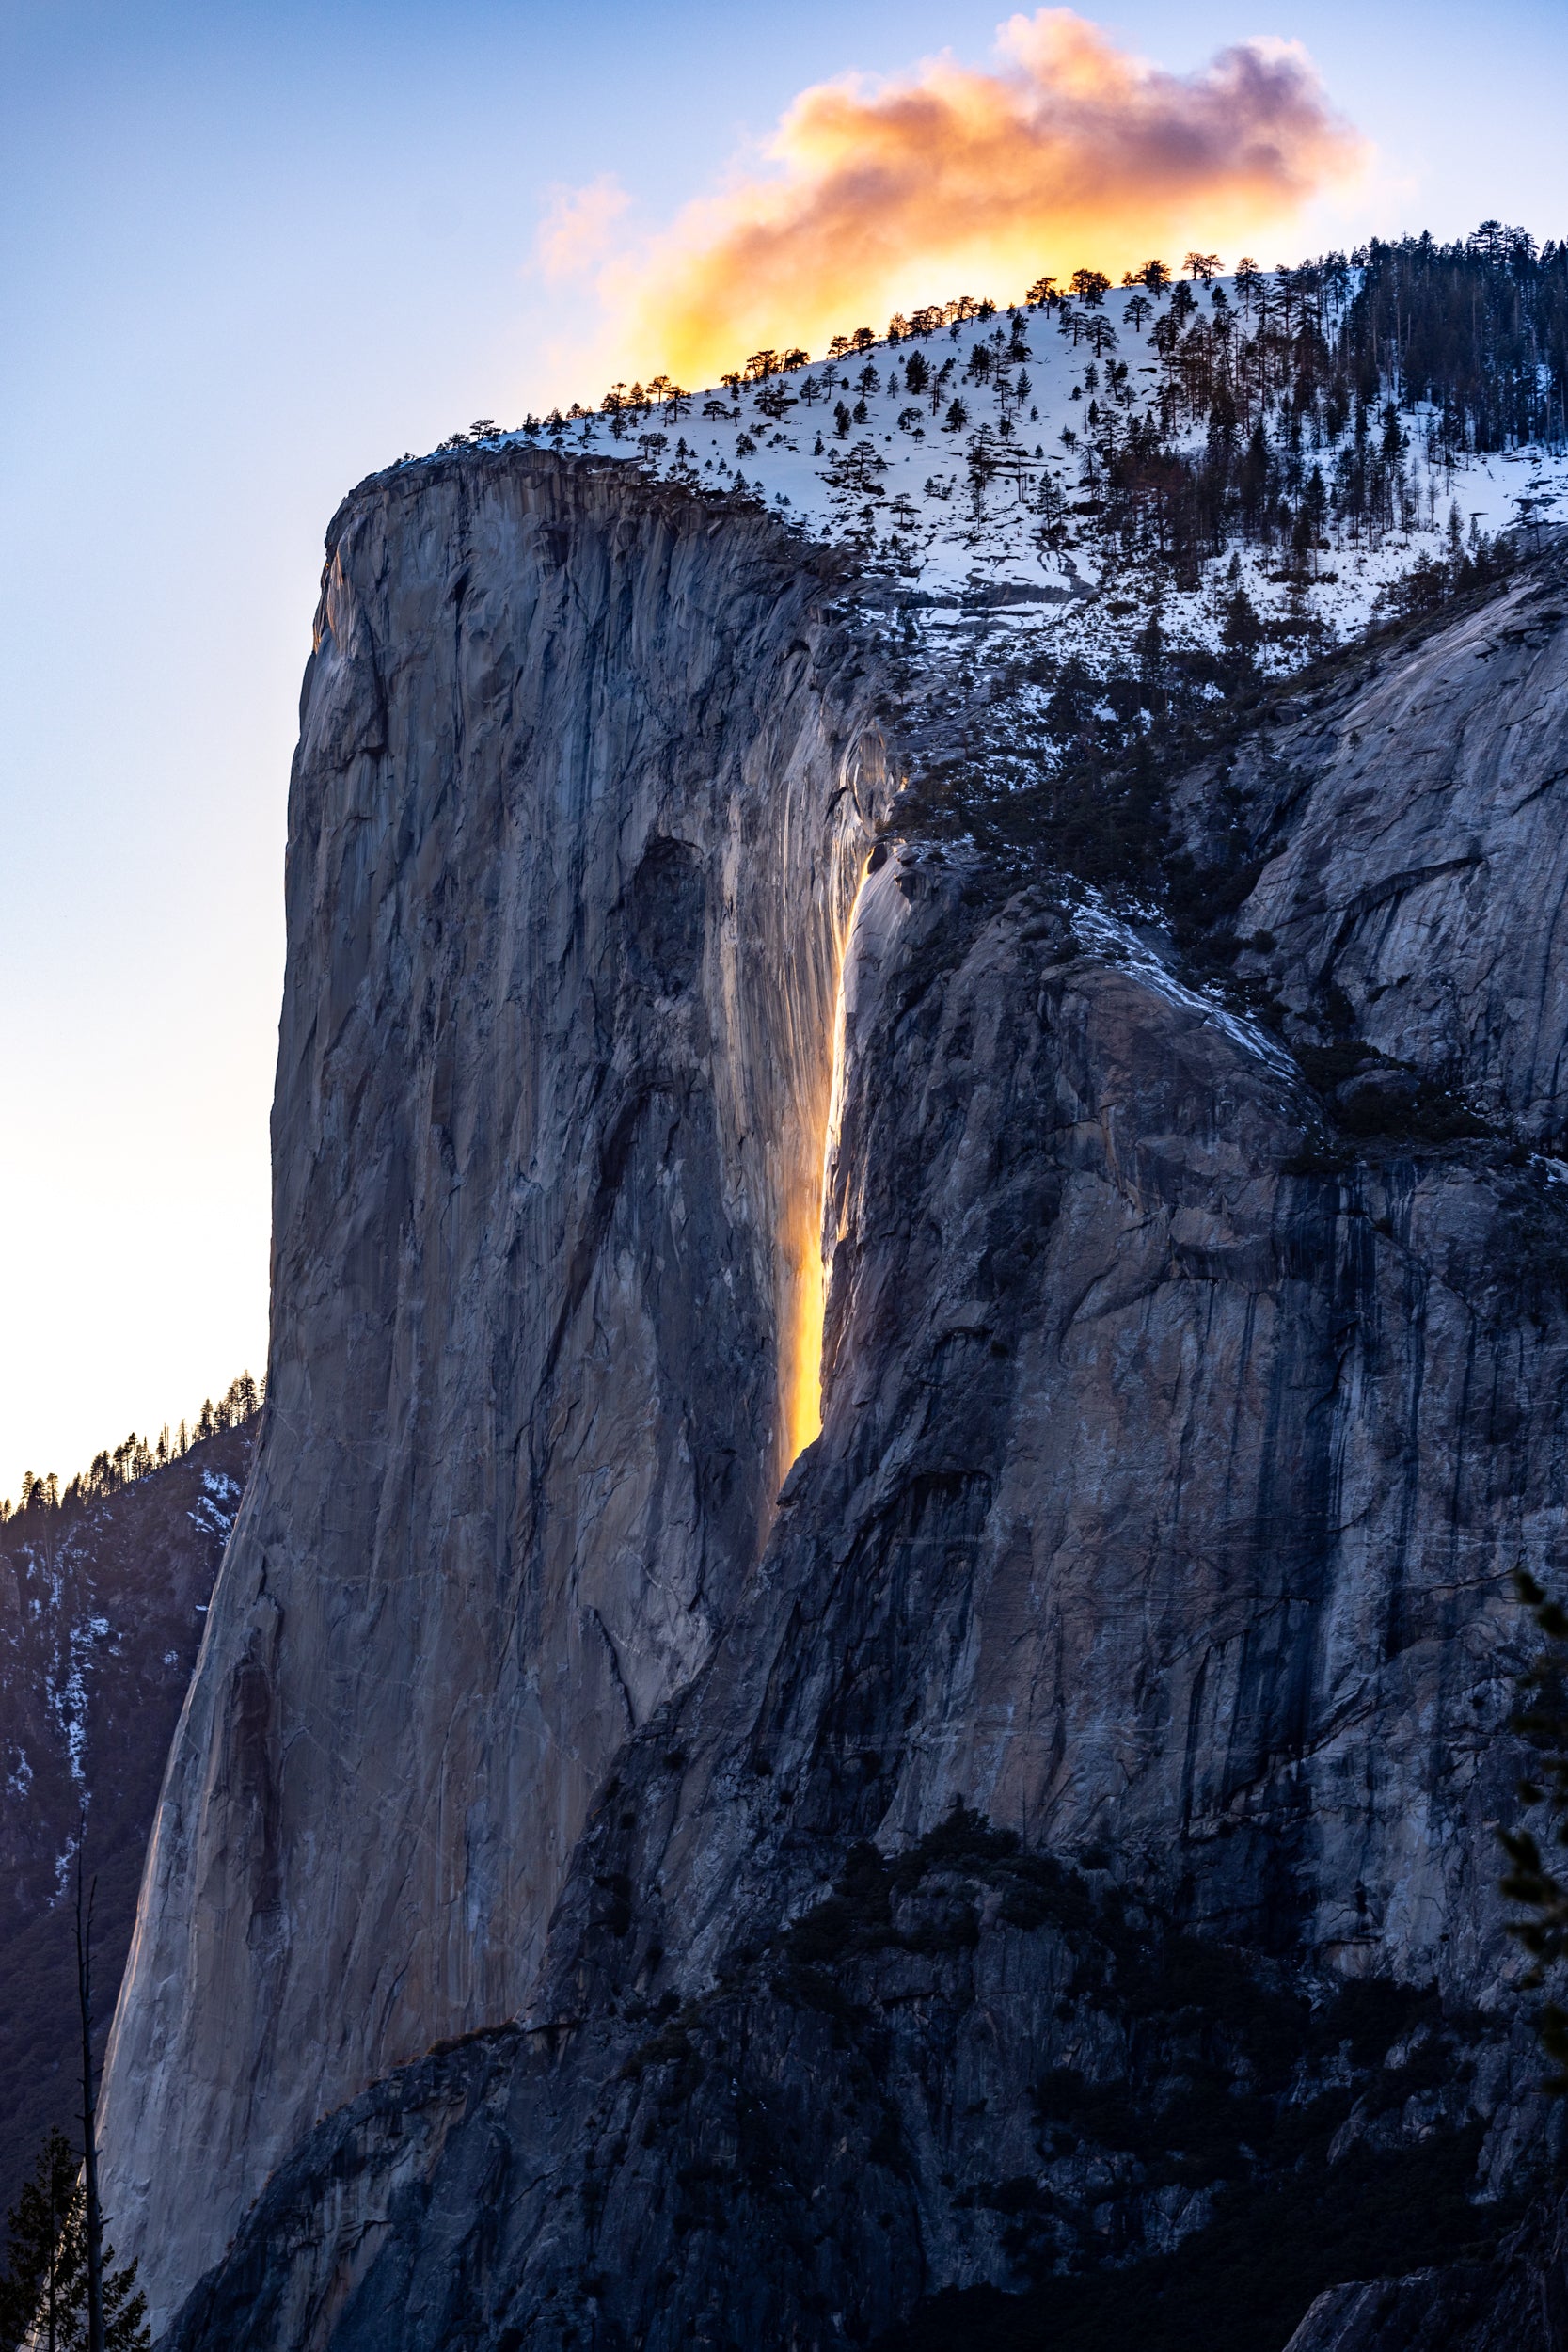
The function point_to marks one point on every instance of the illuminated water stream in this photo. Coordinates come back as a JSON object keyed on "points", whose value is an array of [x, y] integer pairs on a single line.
{"points": [[810, 1261]]}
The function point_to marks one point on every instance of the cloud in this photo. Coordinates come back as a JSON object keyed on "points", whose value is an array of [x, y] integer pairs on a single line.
{"points": [[886, 195], [578, 228]]}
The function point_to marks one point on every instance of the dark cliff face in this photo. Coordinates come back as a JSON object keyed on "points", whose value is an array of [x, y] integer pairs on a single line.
{"points": [[102, 1610], [1518, 2302], [584, 787], [1068, 1840], [1111, 1535]]}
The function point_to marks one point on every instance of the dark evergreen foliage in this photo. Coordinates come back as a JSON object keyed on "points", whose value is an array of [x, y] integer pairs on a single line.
{"points": [[1479, 329], [1305, 386], [43, 2289], [136, 1456]]}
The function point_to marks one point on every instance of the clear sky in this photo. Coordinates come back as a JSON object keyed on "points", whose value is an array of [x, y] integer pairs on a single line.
{"points": [[247, 255]]}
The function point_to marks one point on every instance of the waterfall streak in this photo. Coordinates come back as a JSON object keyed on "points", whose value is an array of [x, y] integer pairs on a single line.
{"points": [[812, 1256]]}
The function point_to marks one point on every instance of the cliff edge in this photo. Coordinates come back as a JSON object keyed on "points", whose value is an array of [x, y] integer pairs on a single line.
{"points": [[584, 787]]}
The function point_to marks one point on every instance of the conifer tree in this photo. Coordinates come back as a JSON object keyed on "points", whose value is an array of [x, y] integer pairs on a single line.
{"points": [[45, 2276], [43, 2288]]}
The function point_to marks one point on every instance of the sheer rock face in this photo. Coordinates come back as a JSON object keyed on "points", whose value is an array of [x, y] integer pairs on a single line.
{"points": [[1415, 860], [1162, 1507], [583, 790], [1171, 1475]]}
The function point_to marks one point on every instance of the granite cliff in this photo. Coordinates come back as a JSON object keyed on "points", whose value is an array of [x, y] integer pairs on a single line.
{"points": [[583, 791], [1042, 1845]]}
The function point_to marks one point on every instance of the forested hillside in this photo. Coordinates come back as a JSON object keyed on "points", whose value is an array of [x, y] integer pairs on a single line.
{"points": [[103, 1590], [1201, 461]]}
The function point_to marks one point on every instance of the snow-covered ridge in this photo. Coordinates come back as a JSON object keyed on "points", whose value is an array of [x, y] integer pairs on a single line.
{"points": [[958, 465]]}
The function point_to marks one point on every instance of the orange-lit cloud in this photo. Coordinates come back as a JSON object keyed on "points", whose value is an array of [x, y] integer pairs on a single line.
{"points": [[579, 227], [885, 195]]}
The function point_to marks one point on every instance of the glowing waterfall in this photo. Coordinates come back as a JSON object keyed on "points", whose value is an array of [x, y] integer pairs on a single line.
{"points": [[810, 1263]]}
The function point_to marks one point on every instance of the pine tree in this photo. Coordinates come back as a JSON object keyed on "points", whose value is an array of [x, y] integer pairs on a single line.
{"points": [[45, 2276], [43, 2288], [125, 2328]]}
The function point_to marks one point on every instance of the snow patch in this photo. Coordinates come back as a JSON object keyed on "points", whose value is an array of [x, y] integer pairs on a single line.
{"points": [[1112, 936], [946, 538]]}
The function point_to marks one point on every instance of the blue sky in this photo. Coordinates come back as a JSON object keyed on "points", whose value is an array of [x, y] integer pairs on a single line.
{"points": [[247, 255]]}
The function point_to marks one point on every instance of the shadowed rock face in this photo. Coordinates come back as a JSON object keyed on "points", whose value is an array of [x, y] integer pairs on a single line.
{"points": [[1067, 1812], [1114, 1532], [583, 791], [1517, 2303], [1414, 862]]}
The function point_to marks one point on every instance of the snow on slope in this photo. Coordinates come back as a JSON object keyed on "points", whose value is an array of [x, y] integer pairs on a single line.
{"points": [[897, 486]]}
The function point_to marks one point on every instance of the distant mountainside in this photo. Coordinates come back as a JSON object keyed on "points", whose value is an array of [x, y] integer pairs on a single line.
{"points": [[103, 1600]]}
